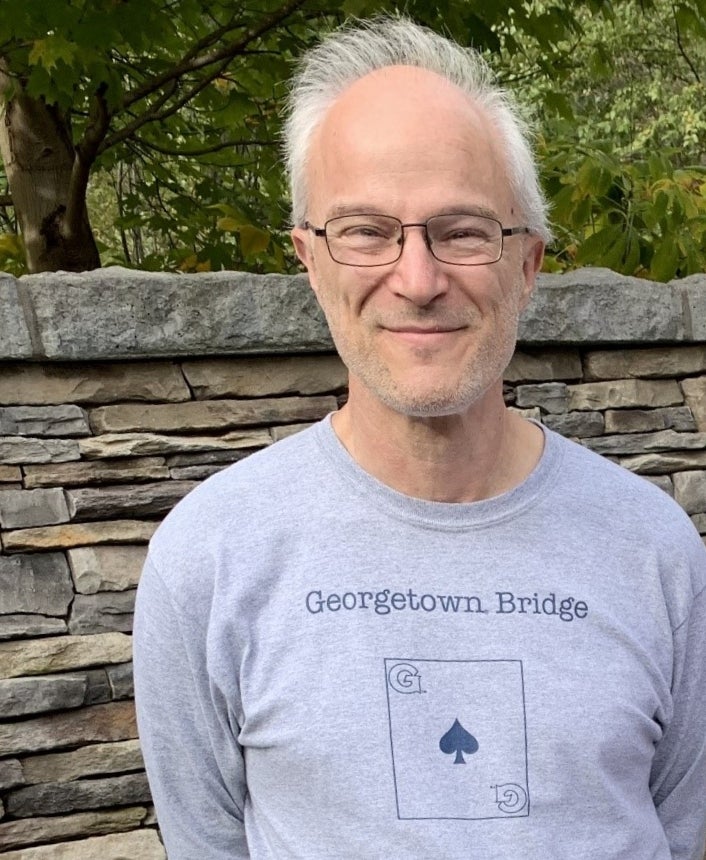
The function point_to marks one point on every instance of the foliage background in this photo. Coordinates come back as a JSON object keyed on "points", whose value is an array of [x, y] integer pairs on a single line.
{"points": [[617, 91], [623, 145]]}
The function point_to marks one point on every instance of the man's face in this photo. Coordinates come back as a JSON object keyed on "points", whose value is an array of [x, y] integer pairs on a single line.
{"points": [[422, 337]]}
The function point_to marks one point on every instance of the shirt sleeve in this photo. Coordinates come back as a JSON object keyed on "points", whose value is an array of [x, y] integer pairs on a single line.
{"points": [[679, 770], [189, 740]]}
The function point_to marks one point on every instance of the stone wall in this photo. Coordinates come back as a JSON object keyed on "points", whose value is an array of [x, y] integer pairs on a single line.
{"points": [[120, 391]]}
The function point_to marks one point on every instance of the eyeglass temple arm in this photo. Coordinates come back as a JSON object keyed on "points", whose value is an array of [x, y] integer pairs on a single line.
{"points": [[317, 231]]}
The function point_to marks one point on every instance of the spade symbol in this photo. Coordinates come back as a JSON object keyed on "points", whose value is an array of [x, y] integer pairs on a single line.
{"points": [[458, 740]]}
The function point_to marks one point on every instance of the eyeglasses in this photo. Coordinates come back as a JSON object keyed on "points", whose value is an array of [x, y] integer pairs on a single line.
{"points": [[377, 240]]}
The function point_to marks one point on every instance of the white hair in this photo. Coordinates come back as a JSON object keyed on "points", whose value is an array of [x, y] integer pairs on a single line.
{"points": [[355, 50]]}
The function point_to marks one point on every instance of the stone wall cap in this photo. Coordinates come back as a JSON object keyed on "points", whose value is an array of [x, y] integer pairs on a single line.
{"points": [[598, 306], [693, 292], [592, 276], [698, 280], [15, 340], [120, 313]]}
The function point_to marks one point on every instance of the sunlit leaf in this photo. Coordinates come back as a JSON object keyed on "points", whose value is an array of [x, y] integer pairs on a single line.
{"points": [[11, 245], [48, 51], [229, 225], [253, 240]]}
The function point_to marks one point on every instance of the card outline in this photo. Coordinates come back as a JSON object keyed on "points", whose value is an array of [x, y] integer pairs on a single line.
{"points": [[389, 661]]}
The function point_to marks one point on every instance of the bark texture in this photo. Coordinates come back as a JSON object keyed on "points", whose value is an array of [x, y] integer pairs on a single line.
{"points": [[40, 160]]}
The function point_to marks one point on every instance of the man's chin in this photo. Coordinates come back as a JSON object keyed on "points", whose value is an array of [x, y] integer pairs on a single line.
{"points": [[424, 392], [431, 404]]}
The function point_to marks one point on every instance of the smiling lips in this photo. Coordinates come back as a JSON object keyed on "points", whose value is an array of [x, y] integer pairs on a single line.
{"points": [[423, 336], [423, 330]]}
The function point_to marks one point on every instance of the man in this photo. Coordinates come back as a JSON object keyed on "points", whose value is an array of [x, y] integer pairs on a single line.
{"points": [[424, 628]]}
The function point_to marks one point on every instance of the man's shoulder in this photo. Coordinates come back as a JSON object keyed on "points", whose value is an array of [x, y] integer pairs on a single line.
{"points": [[603, 477], [272, 464], [603, 506], [239, 497], [622, 499]]}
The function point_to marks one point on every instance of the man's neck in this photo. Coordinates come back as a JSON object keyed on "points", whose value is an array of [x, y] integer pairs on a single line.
{"points": [[480, 453]]}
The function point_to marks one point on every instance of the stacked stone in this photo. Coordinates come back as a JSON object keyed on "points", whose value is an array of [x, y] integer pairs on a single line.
{"points": [[92, 456], [121, 391], [642, 408]]}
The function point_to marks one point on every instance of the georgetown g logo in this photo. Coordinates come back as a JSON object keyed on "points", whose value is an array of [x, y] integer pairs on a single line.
{"points": [[404, 678]]}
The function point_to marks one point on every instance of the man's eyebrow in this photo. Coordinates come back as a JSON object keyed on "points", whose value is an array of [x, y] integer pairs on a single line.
{"points": [[339, 209], [470, 209], [354, 209]]}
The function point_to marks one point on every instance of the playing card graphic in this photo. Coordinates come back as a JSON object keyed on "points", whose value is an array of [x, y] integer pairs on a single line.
{"points": [[458, 738]]}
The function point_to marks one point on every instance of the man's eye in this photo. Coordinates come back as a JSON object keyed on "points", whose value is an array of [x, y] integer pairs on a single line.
{"points": [[464, 234], [365, 231]]}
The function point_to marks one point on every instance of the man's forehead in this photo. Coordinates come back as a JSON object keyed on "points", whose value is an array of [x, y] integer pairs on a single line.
{"points": [[401, 89], [404, 129], [403, 111]]}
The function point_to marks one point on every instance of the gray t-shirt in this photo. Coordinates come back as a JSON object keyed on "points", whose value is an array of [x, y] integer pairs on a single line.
{"points": [[326, 668]]}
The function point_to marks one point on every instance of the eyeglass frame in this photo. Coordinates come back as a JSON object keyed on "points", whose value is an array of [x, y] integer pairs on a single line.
{"points": [[321, 232]]}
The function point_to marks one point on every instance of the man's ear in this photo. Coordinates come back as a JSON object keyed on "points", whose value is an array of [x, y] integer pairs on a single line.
{"points": [[301, 239], [531, 264]]}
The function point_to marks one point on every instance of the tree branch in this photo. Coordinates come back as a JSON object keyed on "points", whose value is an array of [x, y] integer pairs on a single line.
{"points": [[206, 150], [682, 50], [194, 60], [153, 115]]}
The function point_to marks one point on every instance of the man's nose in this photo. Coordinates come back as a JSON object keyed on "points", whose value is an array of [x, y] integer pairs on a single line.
{"points": [[418, 276]]}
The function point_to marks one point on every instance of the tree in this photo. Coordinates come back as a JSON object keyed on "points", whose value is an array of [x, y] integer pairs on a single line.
{"points": [[85, 81], [156, 122]]}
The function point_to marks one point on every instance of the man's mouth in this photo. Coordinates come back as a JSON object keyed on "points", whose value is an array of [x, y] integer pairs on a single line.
{"points": [[428, 328], [427, 336]]}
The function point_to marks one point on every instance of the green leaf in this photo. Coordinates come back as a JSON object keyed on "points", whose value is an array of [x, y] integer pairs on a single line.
{"points": [[11, 245], [12, 255], [631, 256], [695, 256], [253, 240], [551, 264], [660, 205], [665, 260], [229, 225], [582, 211], [228, 210], [48, 51], [560, 104], [603, 247]]}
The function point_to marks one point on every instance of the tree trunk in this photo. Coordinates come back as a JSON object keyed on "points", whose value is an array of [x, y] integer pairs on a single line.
{"points": [[39, 158]]}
